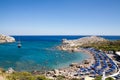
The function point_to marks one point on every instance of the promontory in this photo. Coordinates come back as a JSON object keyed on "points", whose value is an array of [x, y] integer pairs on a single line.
{"points": [[73, 45], [6, 39]]}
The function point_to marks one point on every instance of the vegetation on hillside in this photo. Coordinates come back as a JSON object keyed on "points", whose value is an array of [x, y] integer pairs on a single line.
{"points": [[28, 76], [25, 76], [106, 46], [21, 76]]}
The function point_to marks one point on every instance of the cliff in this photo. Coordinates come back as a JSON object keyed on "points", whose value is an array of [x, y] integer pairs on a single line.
{"points": [[6, 39], [72, 45]]}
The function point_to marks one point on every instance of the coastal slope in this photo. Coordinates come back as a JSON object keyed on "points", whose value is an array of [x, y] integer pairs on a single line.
{"points": [[6, 39], [73, 45]]}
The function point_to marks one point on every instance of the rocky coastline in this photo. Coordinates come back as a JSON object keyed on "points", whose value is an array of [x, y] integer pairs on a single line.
{"points": [[69, 72], [6, 39], [75, 45]]}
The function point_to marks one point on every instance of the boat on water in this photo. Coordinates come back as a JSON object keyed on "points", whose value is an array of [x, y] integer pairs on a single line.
{"points": [[19, 44]]}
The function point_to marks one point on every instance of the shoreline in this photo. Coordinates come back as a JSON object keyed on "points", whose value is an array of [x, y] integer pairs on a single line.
{"points": [[72, 70], [69, 72]]}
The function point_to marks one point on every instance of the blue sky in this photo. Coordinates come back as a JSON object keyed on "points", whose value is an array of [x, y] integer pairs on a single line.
{"points": [[60, 17]]}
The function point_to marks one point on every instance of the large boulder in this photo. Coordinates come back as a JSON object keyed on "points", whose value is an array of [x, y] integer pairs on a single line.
{"points": [[6, 39]]}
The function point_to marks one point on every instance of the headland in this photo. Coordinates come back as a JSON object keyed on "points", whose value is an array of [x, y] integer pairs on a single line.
{"points": [[6, 39]]}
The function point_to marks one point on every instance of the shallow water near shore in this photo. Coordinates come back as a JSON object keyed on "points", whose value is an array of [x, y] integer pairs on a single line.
{"points": [[38, 53]]}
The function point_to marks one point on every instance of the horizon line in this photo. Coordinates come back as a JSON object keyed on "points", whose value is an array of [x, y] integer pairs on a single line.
{"points": [[63, 35]]}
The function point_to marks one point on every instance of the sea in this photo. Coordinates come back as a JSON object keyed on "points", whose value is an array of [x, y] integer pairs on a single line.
{"points": [[40, 53]]}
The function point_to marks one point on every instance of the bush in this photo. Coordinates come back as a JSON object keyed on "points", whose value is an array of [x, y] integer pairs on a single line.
{"points": [[109, 78], [98, 78]]}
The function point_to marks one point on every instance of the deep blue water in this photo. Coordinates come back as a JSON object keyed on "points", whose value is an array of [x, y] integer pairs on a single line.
{"points": [[39, 52], [57, 38]]}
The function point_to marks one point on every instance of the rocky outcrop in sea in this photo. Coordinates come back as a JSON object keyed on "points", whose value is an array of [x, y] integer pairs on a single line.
{"points": [[6, 39], [74, 45]]}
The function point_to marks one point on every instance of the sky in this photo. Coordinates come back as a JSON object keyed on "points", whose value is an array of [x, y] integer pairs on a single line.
{"points": [[60, 17]]}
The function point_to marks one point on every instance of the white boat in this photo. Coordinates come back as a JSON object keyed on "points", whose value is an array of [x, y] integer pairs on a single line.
{"points": [[19, 44]]}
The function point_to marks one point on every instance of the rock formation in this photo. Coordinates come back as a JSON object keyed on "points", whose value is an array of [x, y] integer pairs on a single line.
{"points": [[6, 39], [73, 45]]}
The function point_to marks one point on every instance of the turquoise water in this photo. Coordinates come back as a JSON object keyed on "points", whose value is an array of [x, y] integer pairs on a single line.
{"points": [[37, 55], [40, 53]]}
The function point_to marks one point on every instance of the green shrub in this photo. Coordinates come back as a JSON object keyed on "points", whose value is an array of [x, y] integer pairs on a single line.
{"points": [[109, 78], [98, 78]]}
